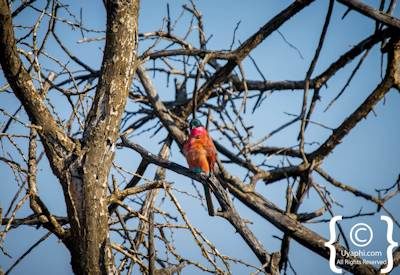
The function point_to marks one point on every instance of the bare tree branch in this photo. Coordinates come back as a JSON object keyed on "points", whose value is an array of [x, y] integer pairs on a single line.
{"points": [[363, 110], [56, 142], [241, 52], [372, 13]]}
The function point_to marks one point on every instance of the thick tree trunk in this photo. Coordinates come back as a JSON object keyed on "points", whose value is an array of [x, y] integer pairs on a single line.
{"points": [[82, 166], [89, 173]]}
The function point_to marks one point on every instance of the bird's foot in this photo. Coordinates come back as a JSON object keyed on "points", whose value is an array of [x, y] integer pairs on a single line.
{"points": [[197, 170]]}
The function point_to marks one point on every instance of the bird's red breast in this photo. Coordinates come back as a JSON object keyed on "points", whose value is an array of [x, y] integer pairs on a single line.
{"points": [[200, 151]]}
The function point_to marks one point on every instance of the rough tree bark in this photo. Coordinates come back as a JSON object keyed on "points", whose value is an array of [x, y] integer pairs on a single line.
{"points": [[82, 166]]}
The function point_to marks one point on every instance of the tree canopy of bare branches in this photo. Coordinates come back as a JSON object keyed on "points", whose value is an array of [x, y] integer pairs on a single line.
{"points": [[107, 135]]}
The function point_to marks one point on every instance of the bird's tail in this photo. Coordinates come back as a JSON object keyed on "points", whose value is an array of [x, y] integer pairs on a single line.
{"points": [[209, 202]]}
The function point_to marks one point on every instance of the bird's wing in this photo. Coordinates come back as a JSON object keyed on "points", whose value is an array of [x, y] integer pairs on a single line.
{"points": [[196, 155], [211, 151], [188, 151]]}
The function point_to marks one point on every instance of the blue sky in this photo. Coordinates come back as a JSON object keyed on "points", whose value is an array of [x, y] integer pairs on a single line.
{"points": [[367, 159]]}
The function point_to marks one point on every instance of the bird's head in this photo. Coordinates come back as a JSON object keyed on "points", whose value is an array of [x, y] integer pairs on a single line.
{"points": [[195, 123]]}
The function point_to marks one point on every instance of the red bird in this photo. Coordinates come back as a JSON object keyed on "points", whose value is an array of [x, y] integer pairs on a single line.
{"points": [[199, 149], [201, 155]]}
